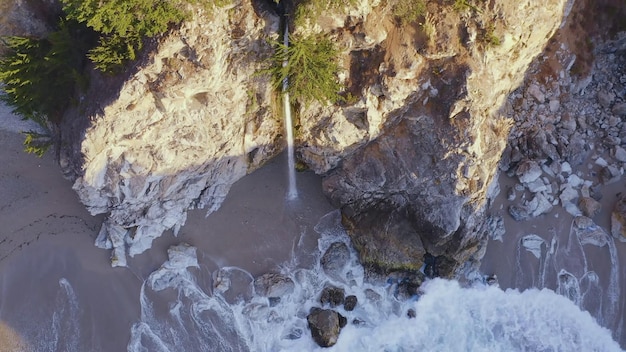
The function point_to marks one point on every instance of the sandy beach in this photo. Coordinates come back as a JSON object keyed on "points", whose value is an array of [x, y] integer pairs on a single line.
{"points": [[46, 243], [58, 289], [59, 292], [562, 251]]}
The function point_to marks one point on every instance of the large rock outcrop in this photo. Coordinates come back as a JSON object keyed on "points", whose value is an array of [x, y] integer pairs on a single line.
{"points": [[182, 129], [412, 159], [409, 155]]}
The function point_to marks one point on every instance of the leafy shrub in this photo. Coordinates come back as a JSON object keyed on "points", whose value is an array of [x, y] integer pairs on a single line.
{"points": [[310, 65], [113, 52], [37, 143], [464, 5], [407, 11], [488, 37], [429, 28]]}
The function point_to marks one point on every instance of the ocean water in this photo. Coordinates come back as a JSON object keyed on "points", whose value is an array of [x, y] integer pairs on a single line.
{"points": [[180, 311], [183, 306], [576, 257], [57, 293]]}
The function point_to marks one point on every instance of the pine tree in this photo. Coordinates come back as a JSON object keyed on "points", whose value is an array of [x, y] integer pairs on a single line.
{"points": [[123, 24], [40, 75]]}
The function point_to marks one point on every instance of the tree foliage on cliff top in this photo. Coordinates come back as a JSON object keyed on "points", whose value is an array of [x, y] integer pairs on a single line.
{"points": [[123, 24], [310, 66], [40, 75], [124, 17], [407, 11]]}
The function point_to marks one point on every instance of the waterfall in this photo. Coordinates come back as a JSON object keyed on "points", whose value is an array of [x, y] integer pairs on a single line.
{"points": [[291, 164]]}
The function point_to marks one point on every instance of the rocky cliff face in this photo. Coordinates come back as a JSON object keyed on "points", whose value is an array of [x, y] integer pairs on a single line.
{"points": [[410, 163], [409, 156], [33, 18], [183, 128]]}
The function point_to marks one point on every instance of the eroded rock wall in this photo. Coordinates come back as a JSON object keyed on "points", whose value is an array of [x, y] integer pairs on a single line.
{"points": [[409, 155], [183, 128], [412, 159]]}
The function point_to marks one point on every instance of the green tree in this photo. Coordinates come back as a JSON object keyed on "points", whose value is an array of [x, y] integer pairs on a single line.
{"points": [[310, 65], [407, 11], [40, 75], [123, 24]]}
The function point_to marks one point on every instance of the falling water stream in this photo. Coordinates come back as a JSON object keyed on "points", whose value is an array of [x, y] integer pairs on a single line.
{"points": [[58, 295], [291, 164]]}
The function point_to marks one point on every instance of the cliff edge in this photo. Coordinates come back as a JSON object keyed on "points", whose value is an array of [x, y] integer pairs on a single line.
{"points": [[409, 154]]}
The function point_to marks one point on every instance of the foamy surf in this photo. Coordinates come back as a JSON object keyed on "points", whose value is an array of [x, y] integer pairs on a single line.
{"points": [[179, 314]]}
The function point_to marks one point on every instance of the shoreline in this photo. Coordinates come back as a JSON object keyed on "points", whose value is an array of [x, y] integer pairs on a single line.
{"points": [[47, 248], [47, 241]]}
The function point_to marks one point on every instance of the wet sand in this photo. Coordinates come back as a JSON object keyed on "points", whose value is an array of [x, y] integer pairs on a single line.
{"points": [[518, 268], [46, 239], [58, 290], [256, 228]]}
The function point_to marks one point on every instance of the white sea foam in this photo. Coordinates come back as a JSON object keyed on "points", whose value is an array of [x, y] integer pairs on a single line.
{"points": [[63, 331], [564, 266], [186, 316], [451, 318]]}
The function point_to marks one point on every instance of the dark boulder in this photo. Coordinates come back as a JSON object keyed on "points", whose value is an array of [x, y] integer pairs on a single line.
{"points": [[409, 285], [274, 301], [358, 322], [273, 285], [609, 174], [436, 265], [619, 109], [589, 206], [492, 280], [325, 326], [386, 241], [334, 296], [518, 212], [350, 303], [335, 260]]}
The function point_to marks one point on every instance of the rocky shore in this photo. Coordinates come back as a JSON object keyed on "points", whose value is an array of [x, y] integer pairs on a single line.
{"points": [[432, 112], [409, 158], [559, 217], [569, 137]]}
